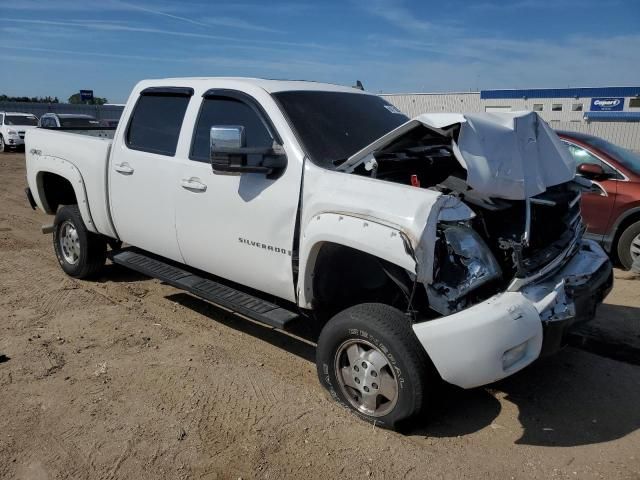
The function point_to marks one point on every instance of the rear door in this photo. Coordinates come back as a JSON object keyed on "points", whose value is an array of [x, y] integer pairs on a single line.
{"points": [[596, 205], [143, 171], [238, 226]]}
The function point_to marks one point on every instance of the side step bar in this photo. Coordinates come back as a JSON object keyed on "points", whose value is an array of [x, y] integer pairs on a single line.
{"points": [[210, 290]]}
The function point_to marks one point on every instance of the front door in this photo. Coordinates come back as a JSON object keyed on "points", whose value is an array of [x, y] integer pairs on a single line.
{"points": [[143, 172], [239, 227]]}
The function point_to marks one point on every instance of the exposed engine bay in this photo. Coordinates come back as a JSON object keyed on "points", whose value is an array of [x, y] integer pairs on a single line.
{"points": [[507, 238]]}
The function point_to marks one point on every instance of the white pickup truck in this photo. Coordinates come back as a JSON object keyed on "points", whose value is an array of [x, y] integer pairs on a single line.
{"points": [[444, 247]]}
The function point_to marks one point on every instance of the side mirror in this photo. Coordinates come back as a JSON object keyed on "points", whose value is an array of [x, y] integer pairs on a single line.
{"points": [[228, 153], [591, 170]]}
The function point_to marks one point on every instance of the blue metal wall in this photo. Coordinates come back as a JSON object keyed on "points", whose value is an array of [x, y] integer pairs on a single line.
{"points": [[562, 93]]}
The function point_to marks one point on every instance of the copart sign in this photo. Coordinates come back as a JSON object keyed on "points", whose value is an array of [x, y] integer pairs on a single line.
{"points": [[607, 104]]}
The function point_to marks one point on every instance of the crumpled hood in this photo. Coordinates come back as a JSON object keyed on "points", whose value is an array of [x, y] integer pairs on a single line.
{"points": [[511, 155]]}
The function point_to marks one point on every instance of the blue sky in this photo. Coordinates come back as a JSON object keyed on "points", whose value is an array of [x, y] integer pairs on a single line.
{"points": [[58, 47]]}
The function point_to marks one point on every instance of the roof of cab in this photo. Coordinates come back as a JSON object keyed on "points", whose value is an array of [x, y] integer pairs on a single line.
{"points": [[21, 114], [271, 86]]}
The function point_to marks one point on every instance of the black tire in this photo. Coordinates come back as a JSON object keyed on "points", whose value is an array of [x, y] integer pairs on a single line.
{"points": [[625, 243], [92, 247], [2, 145], [388, 330]]}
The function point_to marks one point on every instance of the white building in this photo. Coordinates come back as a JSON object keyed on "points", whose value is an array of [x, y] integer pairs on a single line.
{"points": [[609, 112]]}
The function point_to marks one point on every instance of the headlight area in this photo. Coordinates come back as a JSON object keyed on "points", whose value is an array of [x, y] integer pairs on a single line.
{"points": [[463, 264]]}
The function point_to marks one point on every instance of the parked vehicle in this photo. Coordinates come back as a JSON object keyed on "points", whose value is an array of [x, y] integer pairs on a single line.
{"points": [[611, 209], [443, 247], [13, 126], [68, 120], [109, 122]]}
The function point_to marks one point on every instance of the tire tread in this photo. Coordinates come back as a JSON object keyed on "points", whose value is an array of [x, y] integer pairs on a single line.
{"points": [[396, 329]]}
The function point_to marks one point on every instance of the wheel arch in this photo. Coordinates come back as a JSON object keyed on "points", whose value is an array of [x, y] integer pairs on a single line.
{"points": [[624, 222], [630, 216], [342, 238], [61, 183]]}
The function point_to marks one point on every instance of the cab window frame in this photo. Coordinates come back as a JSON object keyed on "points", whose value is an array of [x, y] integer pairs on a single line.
{"points": [[173, 92], [238, 96]]}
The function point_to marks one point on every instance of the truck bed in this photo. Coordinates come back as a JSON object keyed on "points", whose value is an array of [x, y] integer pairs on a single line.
{"points": [[83, 152], [101, 132]]}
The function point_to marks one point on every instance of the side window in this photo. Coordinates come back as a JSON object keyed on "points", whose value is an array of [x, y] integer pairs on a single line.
{"points": [[581, 156], [228, 111], [155, 123]]}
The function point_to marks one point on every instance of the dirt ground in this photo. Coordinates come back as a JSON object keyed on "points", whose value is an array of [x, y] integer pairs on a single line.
{"points": [[126, 377]]}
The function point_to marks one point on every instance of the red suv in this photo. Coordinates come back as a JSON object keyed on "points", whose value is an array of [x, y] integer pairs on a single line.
{"points": [[611, 210]]}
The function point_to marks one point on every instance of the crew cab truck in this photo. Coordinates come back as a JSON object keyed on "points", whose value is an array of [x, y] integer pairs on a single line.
{"points": [[442, 247]]}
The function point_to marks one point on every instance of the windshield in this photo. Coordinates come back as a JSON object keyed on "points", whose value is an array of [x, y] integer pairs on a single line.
{"points": [[628, 158], [21, 120], [78, 122], [332, 126]]}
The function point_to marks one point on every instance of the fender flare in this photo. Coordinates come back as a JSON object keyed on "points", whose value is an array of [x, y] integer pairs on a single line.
{"points": [[381, 241], [70, 172]]}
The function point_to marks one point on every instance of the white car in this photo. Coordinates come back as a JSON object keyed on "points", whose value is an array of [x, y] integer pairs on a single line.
{"points": [[444, 247], [13, 126]]}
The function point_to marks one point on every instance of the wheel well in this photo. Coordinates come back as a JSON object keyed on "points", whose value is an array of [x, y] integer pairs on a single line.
{"points": [[56, 190], [633, 218], [344, 276]]}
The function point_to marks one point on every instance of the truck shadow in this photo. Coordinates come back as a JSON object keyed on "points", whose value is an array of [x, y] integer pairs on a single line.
{"points": [[298, 340], [571, 399], [114, 273]]}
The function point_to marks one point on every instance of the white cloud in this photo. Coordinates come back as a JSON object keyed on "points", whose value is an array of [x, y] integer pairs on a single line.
{"points": [[237, 23], [396, 14], [539, 4], [112, 26]]}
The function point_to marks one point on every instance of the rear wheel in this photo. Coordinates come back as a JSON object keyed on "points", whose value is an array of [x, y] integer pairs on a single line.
{"points": [[81, 253], [2, 146], [629, 245], [371, 362]]}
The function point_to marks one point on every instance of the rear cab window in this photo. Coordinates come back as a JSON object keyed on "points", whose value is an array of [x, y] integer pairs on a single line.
{"points": [[157, 118]]}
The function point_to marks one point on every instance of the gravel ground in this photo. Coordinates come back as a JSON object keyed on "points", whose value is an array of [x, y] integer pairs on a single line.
{"points": [[126, 377]]}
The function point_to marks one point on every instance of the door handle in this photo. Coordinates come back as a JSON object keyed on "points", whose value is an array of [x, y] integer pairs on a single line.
{"points": [[193, 184], [123, 167]]}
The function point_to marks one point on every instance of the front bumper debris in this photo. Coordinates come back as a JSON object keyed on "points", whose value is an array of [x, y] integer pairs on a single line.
{"points": [[500, 336]]}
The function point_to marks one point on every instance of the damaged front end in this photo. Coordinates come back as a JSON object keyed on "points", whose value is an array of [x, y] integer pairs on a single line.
{"points": [[516, 181], [503, 246], [465, 264]]}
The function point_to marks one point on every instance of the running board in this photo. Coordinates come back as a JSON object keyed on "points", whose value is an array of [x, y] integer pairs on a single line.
{"points": [[239, 302]]}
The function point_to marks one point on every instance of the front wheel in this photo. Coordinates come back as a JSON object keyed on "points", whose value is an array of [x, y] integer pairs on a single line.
{"points": [[2, 146], [81, 253], [370, 361], [629, 245]]}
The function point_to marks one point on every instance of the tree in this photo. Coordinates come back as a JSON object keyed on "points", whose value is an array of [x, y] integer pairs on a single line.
{"points": [[75, 99], [48, 99]]}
